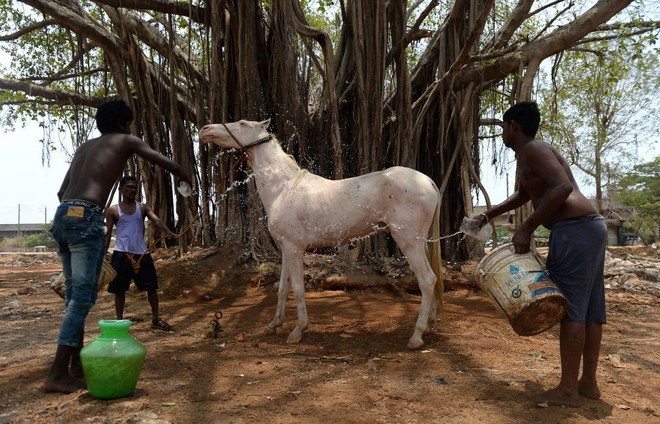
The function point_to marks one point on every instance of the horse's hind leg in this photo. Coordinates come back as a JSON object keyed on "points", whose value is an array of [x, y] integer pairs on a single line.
{"points": [[415, 252], [282, 294], [433, 312]]}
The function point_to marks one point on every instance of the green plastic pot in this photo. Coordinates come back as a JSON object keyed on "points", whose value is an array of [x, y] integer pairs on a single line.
{"points": [[112, 362]]}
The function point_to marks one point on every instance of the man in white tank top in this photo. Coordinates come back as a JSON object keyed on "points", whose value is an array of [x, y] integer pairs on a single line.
{"points": [[131, 257]]}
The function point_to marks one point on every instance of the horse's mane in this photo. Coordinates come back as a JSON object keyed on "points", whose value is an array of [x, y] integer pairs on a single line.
{"points": [[290, 160]]}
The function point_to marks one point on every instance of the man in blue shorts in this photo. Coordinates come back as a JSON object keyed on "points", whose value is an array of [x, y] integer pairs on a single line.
{"points": [[576, 256], [78, 229], [131, 257]]}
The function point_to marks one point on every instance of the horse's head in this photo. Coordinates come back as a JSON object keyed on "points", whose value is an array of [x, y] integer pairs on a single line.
{"points": [[234, 135]]}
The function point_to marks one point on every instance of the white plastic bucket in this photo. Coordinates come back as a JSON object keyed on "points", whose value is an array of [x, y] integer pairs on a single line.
{"points": [[521, 288], [107, 274]]}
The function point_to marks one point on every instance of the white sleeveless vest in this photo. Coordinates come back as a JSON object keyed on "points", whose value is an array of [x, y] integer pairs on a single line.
{"points": [[130, 232]]}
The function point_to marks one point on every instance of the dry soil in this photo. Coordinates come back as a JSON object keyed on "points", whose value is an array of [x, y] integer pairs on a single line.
{"points": [[351, 366]]}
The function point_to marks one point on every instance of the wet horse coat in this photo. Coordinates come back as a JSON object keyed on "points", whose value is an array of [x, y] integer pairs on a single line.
{"points": [[307, 211]]}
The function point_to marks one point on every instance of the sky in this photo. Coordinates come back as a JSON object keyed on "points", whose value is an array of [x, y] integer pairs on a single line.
{"points": [[27, 185], [29, 192]]}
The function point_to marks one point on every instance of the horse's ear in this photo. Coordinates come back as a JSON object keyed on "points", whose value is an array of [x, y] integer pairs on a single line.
{"points": [[265, 123]]}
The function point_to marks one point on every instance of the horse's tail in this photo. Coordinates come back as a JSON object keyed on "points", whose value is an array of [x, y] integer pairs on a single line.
{"points": [[434, 256]]}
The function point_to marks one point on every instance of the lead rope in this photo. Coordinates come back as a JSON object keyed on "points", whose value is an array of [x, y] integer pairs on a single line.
{"points": [[136, 263]]}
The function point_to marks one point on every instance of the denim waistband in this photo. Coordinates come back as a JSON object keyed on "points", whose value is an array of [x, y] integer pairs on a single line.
{"points": [[85, 203]]}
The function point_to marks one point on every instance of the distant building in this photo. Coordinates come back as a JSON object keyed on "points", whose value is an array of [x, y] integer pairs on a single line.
{"points": [[615, 217]]}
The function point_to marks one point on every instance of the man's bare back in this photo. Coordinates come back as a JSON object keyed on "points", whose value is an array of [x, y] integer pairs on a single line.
{"points": [[99, 162]]}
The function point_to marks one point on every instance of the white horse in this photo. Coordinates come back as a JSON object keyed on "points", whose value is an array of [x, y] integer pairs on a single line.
{"points": [[307, 211]]}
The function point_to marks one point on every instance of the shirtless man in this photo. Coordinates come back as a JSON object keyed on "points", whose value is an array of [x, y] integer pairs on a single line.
{"points": [[577, 249], [128, 215], [79, 230]]}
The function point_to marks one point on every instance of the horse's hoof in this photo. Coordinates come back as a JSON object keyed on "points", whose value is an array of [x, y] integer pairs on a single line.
{"points": [[270, 330], [294, 337], [415, 344]]}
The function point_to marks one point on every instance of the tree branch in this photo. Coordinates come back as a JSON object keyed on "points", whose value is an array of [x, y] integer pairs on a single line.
{"points": [[619, 25], [542, 8], [414, 34], [59, 96], [154, 39], [196, 13], [614, 37], [61, 76], [61, 73], [28, 29], [581, 49], [79, 21], [551, 21], [517, 17], [412, 8], [560, 39]]}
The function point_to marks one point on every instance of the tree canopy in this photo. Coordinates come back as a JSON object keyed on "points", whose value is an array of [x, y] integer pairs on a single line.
{"points": [[600, 105]]}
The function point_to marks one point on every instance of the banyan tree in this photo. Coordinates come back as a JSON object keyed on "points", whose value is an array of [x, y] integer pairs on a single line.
{"points": [[350, 86]]}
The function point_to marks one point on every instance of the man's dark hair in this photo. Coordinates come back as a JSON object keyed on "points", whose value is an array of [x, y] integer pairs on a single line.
{"points": [[111, 113], [527, 115], [125, 179]]}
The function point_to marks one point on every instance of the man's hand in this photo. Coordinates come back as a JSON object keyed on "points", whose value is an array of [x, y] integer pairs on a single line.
{"points": [[481, 220], [522, 240], [185, 178]]}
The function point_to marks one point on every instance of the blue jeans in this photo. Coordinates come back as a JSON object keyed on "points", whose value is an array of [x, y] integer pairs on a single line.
{"points": [[79, 231]]}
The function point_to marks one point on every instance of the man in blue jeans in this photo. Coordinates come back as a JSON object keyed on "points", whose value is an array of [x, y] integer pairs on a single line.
{"points": [[78, 228]]}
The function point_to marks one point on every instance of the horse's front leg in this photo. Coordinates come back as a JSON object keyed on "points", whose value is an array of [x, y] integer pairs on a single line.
{"points": [[296, 269], [282, 294]]}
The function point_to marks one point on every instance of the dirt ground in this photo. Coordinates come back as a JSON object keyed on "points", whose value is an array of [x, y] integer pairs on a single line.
{"points": [[351, 366]]}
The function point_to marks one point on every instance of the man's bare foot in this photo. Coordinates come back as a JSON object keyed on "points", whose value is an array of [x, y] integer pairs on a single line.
{"points": [[557, 397], [63, 385], [589, 390]]}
